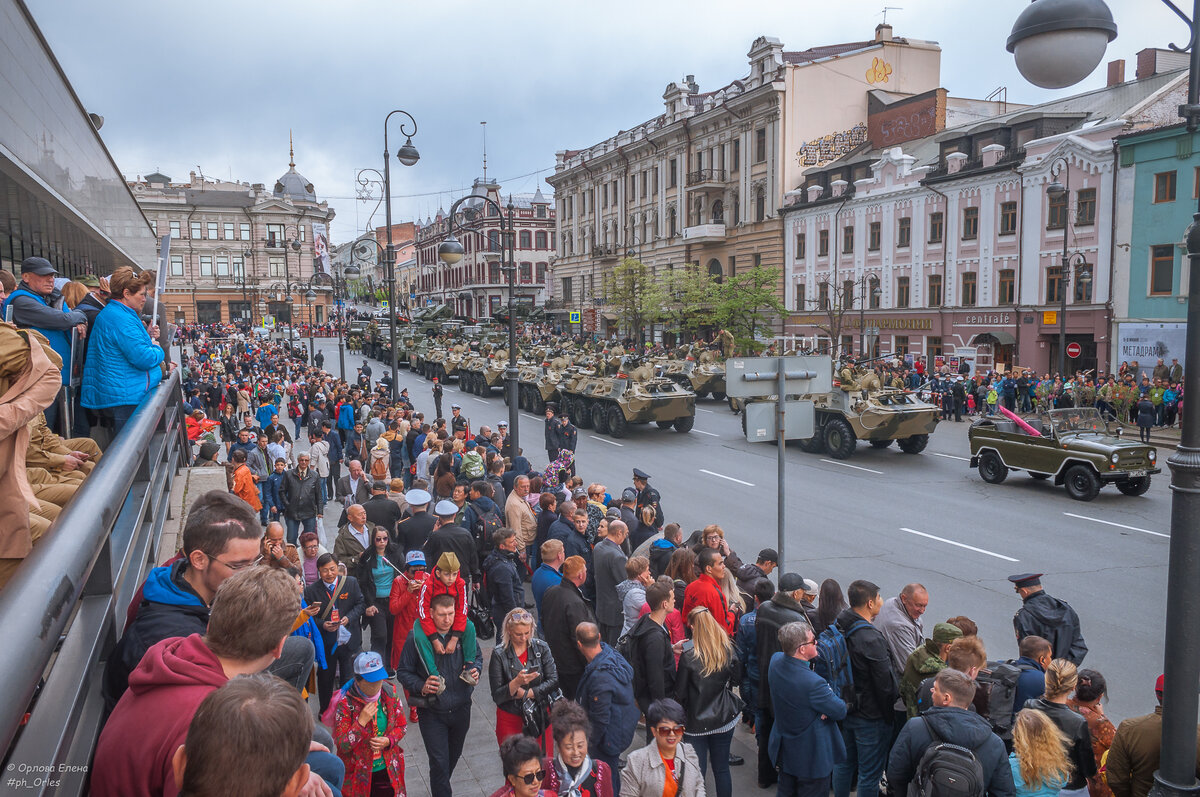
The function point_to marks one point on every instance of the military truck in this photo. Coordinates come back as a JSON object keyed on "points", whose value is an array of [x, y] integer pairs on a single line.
{"points": [[611, 404], [1078, 448]]}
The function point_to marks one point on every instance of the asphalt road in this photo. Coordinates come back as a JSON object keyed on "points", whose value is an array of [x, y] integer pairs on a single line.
{"points": [[893, 518]]}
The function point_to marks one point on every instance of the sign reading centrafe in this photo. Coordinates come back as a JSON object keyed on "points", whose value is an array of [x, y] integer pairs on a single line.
{"points": [[1074, 350], [574, 316], [1049, 318], [1147, 342], [779, 420], [320, 248]]}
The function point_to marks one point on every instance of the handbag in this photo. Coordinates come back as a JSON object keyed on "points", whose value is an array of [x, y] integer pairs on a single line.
{"points": [[481, 618]]}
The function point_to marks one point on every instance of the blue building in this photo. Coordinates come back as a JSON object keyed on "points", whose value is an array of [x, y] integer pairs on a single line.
{"points": [[1158, 185]]}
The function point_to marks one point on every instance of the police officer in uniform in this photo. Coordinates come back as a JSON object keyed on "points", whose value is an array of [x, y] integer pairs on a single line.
{"points": [[1050, 618], [647, 496], [437, 398], [457, 422]]}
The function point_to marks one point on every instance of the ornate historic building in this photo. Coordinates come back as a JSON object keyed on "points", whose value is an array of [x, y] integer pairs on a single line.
{"points": [[702, 183], [239, 252]]}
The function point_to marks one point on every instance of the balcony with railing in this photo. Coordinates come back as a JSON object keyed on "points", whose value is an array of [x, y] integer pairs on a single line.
{"points": [[706, 179], [606, 252], [704, 233]]}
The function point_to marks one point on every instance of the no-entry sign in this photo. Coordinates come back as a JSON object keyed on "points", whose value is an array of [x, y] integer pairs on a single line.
{"points": [[1074, 350]]}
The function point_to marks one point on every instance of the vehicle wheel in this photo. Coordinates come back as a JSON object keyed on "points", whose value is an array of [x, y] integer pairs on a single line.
{"points": [[522, 398], [733, 406], [991, 469], [718, 395], [1039, 476], [1136, 486], [685, 423], [663, 424], [539, 406], [582, 413], [617, 425], [564, 406], [880, 443], [464, 383], [914, 444], [480, 385], [839, 439], [600, 417], [812, 445], [1082, 483]]}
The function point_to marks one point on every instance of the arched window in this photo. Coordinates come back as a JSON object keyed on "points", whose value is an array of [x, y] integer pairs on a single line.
{"points": [[715, 271], [672, 223], [760, 205], [718, 212], [539, 240], [525, 239]]}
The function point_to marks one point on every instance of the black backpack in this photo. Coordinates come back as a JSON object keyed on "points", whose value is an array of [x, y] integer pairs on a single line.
{"points": [[486, 524], [947, 770], [1000, 679]]}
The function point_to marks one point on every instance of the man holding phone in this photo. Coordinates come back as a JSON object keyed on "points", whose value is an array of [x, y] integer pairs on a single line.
{"points": [[337, 603]]}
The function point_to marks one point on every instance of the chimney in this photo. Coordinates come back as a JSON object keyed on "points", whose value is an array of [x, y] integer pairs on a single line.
{"points": [[1155, 61], [1116, 72], [690, 82], [883, 32]]}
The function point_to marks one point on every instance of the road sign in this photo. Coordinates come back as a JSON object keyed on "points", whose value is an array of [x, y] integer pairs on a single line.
{"points": [[383, 305], [1049, 318], [799, 421], [746, 377], [1074, 350], [574, 316]]}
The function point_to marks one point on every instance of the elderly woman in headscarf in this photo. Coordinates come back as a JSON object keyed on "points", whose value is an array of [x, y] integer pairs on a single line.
{"points": [[553, 479]]}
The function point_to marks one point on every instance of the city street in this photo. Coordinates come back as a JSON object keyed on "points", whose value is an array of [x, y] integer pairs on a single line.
{"points": [[894, 518]]}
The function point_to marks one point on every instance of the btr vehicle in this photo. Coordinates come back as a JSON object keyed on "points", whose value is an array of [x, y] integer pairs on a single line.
{"points": [[1077, 448], [610, 404]]}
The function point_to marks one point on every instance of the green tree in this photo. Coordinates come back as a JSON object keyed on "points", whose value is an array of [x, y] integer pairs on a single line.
{"points": [[636, 295], [746, 301], [690, 301]]}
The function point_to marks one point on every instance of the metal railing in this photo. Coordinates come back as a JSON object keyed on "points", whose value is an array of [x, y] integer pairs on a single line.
{"points": [[701, 176], [64, 610]]}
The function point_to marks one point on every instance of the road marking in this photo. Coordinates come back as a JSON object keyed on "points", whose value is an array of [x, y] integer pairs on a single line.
{"points": [[727, 478], [848, 465], [960, 545], [532, 417], [604, 440], [701, 431], [950, 456], [698, 409], [1118, 525], [481, 401]]}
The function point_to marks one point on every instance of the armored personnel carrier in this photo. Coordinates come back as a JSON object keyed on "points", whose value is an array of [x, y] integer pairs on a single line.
{"points": [[483, 370], [537, 383], [634, 395], [699, 370]]}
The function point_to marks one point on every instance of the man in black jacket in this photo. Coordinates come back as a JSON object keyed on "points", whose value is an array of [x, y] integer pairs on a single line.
{"points": [[782, 609], [448, 536], [868, 724], [338, 602], [300, 493], [1048, 617], [949, 721], [413, 532], [653, 659], [553, 440], [504, 588], [563, 608]]}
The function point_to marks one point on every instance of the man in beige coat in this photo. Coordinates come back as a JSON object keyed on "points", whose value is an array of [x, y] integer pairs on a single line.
{"points": [[519, 516]]}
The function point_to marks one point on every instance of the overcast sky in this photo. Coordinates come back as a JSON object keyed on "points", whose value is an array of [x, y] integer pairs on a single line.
{"points": [[215, 86]]}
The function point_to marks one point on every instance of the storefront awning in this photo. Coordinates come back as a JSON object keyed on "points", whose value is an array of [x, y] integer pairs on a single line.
{"points": [[1003, 337]]}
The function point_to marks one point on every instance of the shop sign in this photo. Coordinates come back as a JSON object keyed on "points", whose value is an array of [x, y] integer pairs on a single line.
{"points": [[985, 320], [1049, 318]]}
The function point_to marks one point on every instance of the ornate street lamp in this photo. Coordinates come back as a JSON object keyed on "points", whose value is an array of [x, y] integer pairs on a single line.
{"points": [[1058, 43]]}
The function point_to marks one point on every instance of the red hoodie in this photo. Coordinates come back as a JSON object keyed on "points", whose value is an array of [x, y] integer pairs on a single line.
{"points": [[133, 757]]}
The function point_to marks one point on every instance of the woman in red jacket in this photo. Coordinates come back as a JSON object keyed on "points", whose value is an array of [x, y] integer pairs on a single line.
{"points": [[368, 728]]}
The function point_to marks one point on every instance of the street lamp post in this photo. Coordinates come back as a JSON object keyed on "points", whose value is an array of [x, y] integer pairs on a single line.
{"points": [[407, 155], [450, 252], [862, 306], [338, 283], [1058, 43], [1057, 190]]}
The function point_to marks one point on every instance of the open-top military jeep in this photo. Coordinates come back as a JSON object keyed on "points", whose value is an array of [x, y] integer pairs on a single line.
{"points": [[1078, 448]]}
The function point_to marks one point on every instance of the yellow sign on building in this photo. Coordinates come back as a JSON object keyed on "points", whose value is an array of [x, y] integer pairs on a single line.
{"points": [[1049, 317]]}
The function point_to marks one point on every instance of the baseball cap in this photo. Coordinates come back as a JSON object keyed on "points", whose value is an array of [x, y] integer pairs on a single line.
{"points": [[768, 555], [369, 667], [37, 265], [811, 587], [1158, 684], [579, 493], [89, 280], [790, 582], [629, 494], [415, 559]]}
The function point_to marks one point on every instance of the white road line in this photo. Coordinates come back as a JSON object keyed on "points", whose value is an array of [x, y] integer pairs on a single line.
{"points": [[604, 440], [699, 409], [701, 431], [1118, 525], [960, 545], [532, 417], [727, 478], [950, 456], [848, 465], [481, 401]]}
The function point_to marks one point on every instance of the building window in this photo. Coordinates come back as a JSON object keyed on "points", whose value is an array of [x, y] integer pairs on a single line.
{"points": [[874, 293], [212, 231], [847, 294], [1008, 218], [176, 233], [799, 246], [494, 273], [970, 229], [1056, 212], [904, 233], [239, 268], [526, 273], [902, 291], [760, 145], [539, 271], [228, 231], [1083, 287], [847, 343], [800, 296], [937, 227], [525, 240], [736, 158], [672, 223], [823, 243], [245, 232], [275, 236], [848, 239], [196, 231], [541, 212], [1053, 284], [206, 268], [208, 312], [672, 173], [154, 227], [1085, 207], [1008, 283], [222, 266], [276, 266], [567, 294], [539, 240], [935, 290], [900, 345], [1162, 269], [760, 205], [873, 237], [823, 295], [1164, 187], [933, 346], [969, 289], [176, 265]]}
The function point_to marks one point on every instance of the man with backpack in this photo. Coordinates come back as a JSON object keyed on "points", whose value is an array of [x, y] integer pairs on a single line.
{"points": [[854, 657], [481, 516], [949, 751], [501, 576]]}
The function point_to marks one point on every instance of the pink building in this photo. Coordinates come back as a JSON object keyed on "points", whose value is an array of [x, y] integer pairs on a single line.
{"points": [[949, 246]]}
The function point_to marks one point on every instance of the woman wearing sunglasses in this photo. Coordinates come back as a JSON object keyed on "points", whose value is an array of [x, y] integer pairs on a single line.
{"points": [[523, 771], [572, 772], [377, 568], [523, 678], [668, 766]]}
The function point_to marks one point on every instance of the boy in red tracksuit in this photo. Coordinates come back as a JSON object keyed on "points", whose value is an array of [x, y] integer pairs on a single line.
{"points": [[446, 581]]}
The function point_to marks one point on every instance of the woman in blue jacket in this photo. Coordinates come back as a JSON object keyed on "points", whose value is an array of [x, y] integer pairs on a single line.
{"points": [[123, 362]]}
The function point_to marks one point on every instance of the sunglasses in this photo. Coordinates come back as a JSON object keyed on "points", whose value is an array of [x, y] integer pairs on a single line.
{"points": [[668, 731], [533, 777]]}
